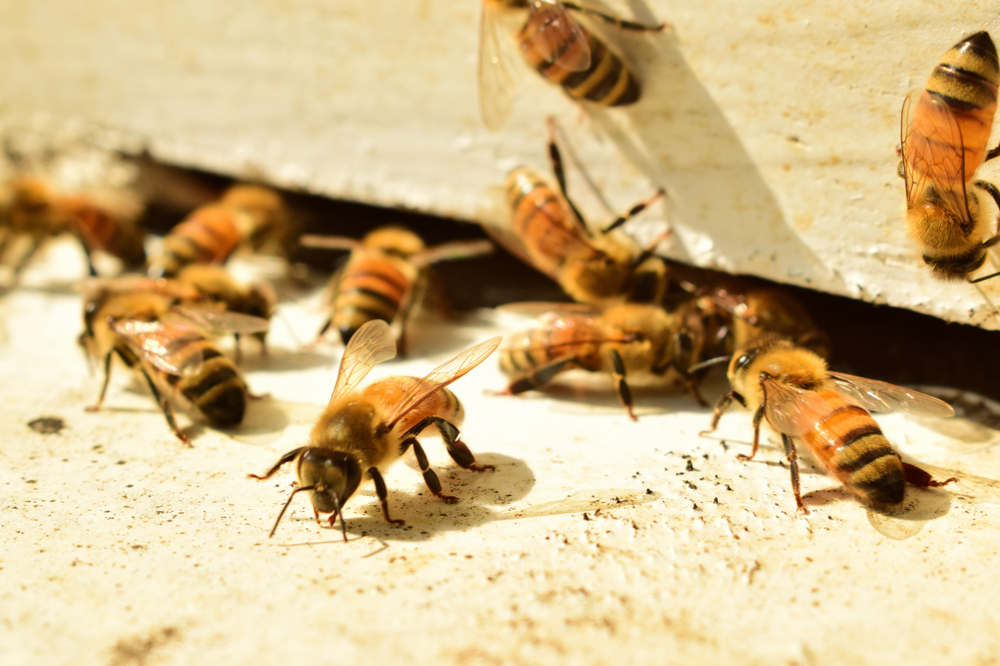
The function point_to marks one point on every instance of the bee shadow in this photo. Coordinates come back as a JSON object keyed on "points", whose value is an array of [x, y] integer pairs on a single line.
{"points": [[426, 515], [288, 360]]}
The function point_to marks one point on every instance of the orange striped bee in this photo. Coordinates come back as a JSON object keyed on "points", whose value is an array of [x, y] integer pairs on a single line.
{"points": [[170, 348], [546, 230], [628, 339], [793, 390], [559, 48], [363, 431], [384, 277], [211, 233], [945, 129], [103, 222]]}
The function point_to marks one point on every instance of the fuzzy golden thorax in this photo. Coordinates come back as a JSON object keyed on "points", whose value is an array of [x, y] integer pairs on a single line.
{"points": [[779, 359]]}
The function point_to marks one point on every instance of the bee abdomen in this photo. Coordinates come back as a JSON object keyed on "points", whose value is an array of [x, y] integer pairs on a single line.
{"points": [[606, 82], [217, 391], [967, 76], [209, 235]]}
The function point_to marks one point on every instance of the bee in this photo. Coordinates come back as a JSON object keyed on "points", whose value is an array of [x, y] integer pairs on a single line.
{"points": [[211, 233], [384, 277], [363, 431], [559, 48], [103, 222], [623, 340], [270, 225], [547, 231], [945, 130], [214, 283], [170, 348], [792, 388]]}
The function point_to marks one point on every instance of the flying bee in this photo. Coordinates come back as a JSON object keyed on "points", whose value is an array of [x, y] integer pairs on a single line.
{"points": [[384, 277], [792, 389], [211, 233], [623, 340], [546, 230], [363, 431], [214, 283], [945, 129], [559, 48], [169, 347], [102, 221]]}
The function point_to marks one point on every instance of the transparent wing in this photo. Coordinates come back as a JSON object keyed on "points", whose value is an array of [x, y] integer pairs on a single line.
{"points": [[792, 410], [496, 79], [329, 242], [555, 36], [876, 396], [166, 347], [372, 344], [443, 375], [126, 284], [453, 251], [933, 153], [222, 322]]}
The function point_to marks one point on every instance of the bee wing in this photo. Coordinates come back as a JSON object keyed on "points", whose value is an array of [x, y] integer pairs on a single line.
{"points": [[791, 410], [372, 344], [155, 342], [556, 36], [222, 322], [452, 251], [441, 376], [559, 240], [876, 396], [322, 242], [933, 152], [496, 79]]}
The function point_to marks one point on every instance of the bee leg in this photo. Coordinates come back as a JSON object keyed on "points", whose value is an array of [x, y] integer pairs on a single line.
{"points": [[285, 459], [632, 212], [90, 260], [991, 190], [168, 410], [22, 263], [539, 376], [683, 358], [922, 479], [555, 160], [720, 408], [319, 336], [991, 154], [430, 477], [457, 449], [758, 416], [622, 24], [383, 495], [624, 393], [104, 387], [793, 464], [237, 352]]}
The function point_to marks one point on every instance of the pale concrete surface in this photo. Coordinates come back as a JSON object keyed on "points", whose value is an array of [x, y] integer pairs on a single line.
{"points": [[596, 541]]}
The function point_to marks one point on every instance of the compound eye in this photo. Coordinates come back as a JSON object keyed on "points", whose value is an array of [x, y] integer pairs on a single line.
{"points": [[743, 361]]}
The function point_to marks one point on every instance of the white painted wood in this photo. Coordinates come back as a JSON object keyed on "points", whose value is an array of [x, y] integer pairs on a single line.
{"points": [[772, 124]]}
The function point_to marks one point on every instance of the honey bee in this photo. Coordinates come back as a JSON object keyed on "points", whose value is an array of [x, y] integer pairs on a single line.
{"points": [[362, 432], [793, 390], [214, 283], [384, 277], [545, 230], [170, 348], [211, 233], [559, 48], [103, 222], [628, 339], [945, 128]]}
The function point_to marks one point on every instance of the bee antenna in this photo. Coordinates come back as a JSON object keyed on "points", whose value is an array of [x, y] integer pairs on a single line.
{"points": [[718, 360], [285, 508], [336, 506], [987, 277]]}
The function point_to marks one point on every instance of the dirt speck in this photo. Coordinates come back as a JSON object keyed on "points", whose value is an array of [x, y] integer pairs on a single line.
{"points": [[137, 649], [47, 425]]}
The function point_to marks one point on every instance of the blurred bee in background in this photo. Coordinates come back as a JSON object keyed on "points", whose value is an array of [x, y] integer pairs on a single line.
{"points": [[623, 340], [33, 209], [558, 47], [169, 346], [945, 130], [546, 230], [384, 277], [211, 233], [214, 284], [792, 388], [362, 432]]}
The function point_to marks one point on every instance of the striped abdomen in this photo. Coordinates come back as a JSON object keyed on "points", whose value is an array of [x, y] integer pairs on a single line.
{"points": [[966, 81], [207, 379], [851, 446], [101, 230], [607, 81], [391, 391], [207, 236], [577, 337], [371, 286]]}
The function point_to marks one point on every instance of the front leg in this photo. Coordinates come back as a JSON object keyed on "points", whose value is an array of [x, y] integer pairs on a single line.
{"points": [[284, 460], [720, 408], [793, 465], [618, 374], [104, 387], [758, 416], [383, 496]]}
